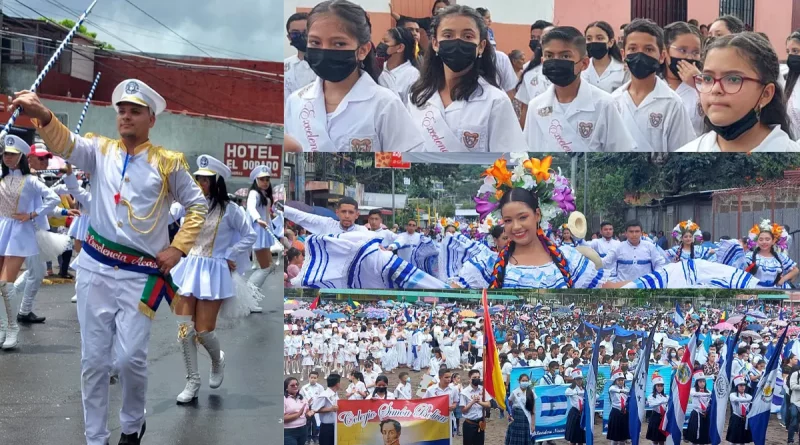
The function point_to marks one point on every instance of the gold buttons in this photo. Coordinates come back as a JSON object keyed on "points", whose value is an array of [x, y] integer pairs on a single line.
{"points": [[119, 223], [116, 267], [127, 179]]}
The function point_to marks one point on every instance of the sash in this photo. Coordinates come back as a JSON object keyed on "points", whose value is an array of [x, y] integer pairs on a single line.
{"points": [[313, 119], [642, 143], [438, 136], [558, 133], [157, 288]]}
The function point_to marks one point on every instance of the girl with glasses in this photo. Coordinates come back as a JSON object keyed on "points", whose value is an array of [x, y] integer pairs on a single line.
{"points": [[684, 51]]}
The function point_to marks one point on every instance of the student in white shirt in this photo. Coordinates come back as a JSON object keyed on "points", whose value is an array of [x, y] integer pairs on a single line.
{"points": [[403, 390], [532, 82], [346, 211], [296, 71], [792, 93], [684, 51], [606, 70], [345, 109], [456, 105], [396, 51], [572, 115], [653, 114], [743, 103], [635, 257]]}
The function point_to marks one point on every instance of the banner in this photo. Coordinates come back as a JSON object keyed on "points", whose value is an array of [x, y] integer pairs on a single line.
{"points": [[400, 422], [535, 373], [552, 406]]}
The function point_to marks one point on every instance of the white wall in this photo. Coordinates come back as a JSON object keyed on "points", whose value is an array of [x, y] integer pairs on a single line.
{"points": [[515, 12]]}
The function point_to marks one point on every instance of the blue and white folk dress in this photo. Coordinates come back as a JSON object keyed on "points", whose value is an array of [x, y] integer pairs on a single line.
{"points": [[700, 253], [768, 268], [18, 194], [204, 272]]}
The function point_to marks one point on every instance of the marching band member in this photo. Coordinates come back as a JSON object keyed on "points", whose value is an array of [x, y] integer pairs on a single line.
{"points": [[259, 208], [573, 433], [738, 433]]}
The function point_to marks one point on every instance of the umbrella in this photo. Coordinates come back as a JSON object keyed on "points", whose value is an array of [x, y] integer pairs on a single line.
{"points": [[320, 312], [751, 334], [468, 313], [384, 303], [724, 326], [302, 313], [495, 310], [754, 327], [470, 320], [335, 316], [290, 306], [303, 207], [524, 317], [780, 323], [735, 319], [756, 314], [242, 192], [361, 315], [499, 307], [793, 330]]}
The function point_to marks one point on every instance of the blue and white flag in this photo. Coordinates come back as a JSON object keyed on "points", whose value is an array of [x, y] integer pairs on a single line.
{"points": [[407, 315], [537, 307], [600, 309], [760, 408], [571, 306], [678, 317], [718, 408], [590, 395], [636, 405]]}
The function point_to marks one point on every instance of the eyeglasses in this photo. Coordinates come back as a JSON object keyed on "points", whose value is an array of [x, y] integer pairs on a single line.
{"points": [[685, 52], [730, 84]]}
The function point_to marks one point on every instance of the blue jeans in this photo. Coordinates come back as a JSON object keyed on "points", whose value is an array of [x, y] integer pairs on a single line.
{"points": [[793, 420]]}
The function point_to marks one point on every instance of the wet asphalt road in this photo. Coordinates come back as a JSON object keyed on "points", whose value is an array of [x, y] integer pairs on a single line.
{"points": [[40, 397]]}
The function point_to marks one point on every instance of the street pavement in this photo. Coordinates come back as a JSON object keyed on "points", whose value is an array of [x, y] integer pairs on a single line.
{"points": [[40, 394]]}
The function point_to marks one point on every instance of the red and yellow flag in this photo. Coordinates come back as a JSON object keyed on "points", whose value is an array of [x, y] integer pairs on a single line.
{"points": [[314, 303], [492, 373]]}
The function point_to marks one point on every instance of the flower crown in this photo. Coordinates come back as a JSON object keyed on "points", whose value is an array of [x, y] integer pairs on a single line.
{"points": [[486, 225], [448, 222], [552, 189], [777, 231], [690, 226]]}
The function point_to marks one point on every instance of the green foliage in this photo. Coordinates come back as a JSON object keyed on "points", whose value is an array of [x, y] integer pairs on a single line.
{"points": [[67, 23]]}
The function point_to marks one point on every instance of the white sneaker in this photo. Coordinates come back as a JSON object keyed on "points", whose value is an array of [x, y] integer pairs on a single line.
{"points": [[12, 338], [217, 372], [74, 298]]}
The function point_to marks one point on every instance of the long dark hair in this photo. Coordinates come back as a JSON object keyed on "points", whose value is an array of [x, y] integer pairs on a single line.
{"points": [[266, 195], [356, 24], [753, 267], [431, 78], [529, 400], [22, 166], [286, 388], [734, 24], [499, 273], [218, 193], [537, 55], [680, 243], [791, 79], [402, 35], [759, 54], [613, 51]]}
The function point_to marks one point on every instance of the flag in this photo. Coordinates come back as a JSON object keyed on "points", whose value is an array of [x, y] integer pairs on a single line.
{"points": [[718, 408], [351, 303], [537, 307], [780, 314], [673, 420], [572, 306], [314, 303], [636, 405], [407, 315], [590, 394], [600, 309], [678, 317], [493, 382], [724, 316], [758, 417]]}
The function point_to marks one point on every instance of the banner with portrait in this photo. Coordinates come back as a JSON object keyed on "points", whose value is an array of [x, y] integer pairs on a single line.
{"points": [[393, 422]]}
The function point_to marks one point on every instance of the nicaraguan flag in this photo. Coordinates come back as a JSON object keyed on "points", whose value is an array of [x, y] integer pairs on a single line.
{"points": [[636, 405], [590, 395], [554, 406], [760, 408], [672, 423], [678, 317], [718, 408], [537, 307]]}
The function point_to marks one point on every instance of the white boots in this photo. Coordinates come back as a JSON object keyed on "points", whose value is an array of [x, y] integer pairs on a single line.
{"points": [[189, 339], [187, 336], [9, 330]]}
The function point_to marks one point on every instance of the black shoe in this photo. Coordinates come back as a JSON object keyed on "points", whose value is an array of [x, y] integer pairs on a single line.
{"points": [[133, 439], [66, 276], [30, 317]]}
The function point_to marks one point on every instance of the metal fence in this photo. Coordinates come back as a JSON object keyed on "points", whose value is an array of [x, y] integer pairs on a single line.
{"points": [[662, 12]]}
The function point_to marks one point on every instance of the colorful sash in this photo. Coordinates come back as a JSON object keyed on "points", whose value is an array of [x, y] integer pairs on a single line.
{"points": [[157, 288], [558, 133], [438, 135], [313, 120]]}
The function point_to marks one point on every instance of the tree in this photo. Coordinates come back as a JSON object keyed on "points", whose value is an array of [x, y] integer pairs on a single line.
{"points": [[67, 23]]}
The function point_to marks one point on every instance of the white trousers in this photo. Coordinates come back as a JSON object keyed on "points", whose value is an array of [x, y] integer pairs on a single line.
{"points": [[29, 282], [108, 312]]}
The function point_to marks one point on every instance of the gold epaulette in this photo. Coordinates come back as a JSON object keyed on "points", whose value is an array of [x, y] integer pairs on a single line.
{"points": [[168, 161]]}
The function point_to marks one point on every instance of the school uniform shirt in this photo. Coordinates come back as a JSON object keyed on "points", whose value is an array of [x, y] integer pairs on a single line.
{"points": [[450, 392], [405, 75], [327, 399], [740, 404], [660, 123], [506, 77], [590, 123], [370, 118], [700, 401], [403, 391], [318, 225], [486, 122], [691, 101], [475, 412], [575, 396], [633, 262], [776, 141], [612, 78], [618, 397], [533, 84], [311, 392], [296, 74], [658, 402], [549, 379]]}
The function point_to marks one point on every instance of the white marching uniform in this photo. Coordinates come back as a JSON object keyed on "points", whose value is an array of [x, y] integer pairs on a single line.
{"points": [[533, 84], [405, 75], [776, 141], [691, 101], [486, 122], [612, 78], [369, 118], [113, 302], [18, 194], [256, 210], [590, 123], [296, 74], [660, 123], [80, 225], [633, 262]]}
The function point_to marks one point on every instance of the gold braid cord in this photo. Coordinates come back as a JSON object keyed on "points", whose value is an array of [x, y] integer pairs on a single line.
{"points": [[56, 136]]}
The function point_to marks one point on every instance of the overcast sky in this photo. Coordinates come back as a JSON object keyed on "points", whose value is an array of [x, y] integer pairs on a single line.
{"points": [[241, 29]]}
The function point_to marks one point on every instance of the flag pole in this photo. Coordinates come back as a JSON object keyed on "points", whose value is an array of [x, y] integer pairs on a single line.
{"points": [[48, 66]]}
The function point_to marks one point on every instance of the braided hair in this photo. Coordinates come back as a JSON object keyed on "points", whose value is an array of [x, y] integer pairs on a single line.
{"points": [[680, 246], [753, 267], [499, 272]]}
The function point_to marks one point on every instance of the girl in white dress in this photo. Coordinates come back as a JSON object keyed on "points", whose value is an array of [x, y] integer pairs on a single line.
{"points": [[767, 262], [297, 345], [287, 357], [308, 360], [684, 51], [350, 355], [389, 361], [19, 205], [327, 356], [363, 349], [259, 209], [744, 112], [357, 390], [689, 236], [80, 225], [606, 70]]}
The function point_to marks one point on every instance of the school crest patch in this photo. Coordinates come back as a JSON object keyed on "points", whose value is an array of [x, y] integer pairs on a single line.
{"points": [[546, 111], [361, 145], [656, 119], [585, 129], [700, 111], [470, 139], [535, 81]]}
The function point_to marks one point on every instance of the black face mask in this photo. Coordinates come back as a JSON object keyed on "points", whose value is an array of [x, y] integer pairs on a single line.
{"points": [[476, 382], [738, 128], [641, 65], [534, 44], [559, 71], [673, 65], [597, 50], [380, 389], [299, 41], [793, 62], [457, 54], [381, 51], [333, 65]]}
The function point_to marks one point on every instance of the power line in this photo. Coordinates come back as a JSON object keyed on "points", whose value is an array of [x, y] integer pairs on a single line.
{"points": [[165, 26]]}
